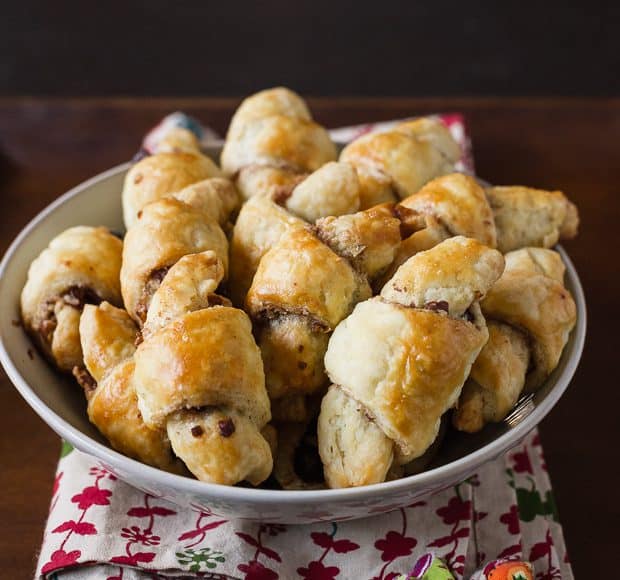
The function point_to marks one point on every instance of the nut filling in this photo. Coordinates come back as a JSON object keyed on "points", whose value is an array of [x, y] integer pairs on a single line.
{"points": [[153, 282], [85, 380], [74, 296]]}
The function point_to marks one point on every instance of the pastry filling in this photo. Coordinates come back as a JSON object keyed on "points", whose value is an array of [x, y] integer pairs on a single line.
{"points": [[75, 296], [153, 282], [85, 380], [411, 221], [271, 313]]}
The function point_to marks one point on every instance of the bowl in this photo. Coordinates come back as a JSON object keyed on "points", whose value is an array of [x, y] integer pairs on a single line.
{"points": [[61, 403]]}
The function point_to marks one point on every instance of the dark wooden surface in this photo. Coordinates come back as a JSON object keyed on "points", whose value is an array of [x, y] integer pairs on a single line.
{"points": [[47, 146]]}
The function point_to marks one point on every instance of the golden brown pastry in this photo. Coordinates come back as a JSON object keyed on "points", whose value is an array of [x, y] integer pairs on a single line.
{"points": [[302, 289], [108, 335], [399, 361], [531, 217], [530, 315], [217, 197], [396, 163], [273, 129], [304, 286], [331, 190], [198, 372], [260, 225], [80, 266], [199, 376], [176, 163], [167, 230], [460, 205], [507, 218]]}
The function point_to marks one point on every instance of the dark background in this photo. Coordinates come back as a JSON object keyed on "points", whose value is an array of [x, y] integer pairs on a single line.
{"points": [[318, 48]]}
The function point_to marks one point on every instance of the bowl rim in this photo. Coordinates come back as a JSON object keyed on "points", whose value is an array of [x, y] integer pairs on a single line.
{"points": [[133, 468]]}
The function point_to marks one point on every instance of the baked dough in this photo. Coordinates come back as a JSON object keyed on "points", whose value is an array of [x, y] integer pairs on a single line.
{"points": [[531, 315], [531, 217], [260, 225], [201, 379], [81, 265], [108, 335], [396, 163], [402, 358], [368, 239], [459, 203], [305, 285], [301, 291], [217, 197], [167, 230], [176, 163], [504, 217], [273, 128], [331, 190]]}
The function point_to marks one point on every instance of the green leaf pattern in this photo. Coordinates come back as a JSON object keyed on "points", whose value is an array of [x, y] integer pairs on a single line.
{"points": [[200, 560]]}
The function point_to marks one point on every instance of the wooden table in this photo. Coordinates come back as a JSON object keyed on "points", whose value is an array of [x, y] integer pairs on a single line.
{"points": [[47, 146]]}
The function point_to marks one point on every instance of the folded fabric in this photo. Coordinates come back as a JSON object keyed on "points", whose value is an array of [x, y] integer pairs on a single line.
{"points": [[100, 527]]}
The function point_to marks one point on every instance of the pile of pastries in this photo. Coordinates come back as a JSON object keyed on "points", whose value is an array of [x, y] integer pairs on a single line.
{"points": [[304, 317]]}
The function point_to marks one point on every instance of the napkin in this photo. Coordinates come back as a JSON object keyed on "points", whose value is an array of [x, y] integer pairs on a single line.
{"points": [[100, 527]]}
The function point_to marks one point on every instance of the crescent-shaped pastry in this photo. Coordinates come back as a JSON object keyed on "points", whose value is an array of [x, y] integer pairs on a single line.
{"points": [[108, 335], [198, 372], [507, 218], [304, 286], [217, 197], [260, 225], [530, 315], [527, 217], [200, 378], [274, 129], [459, 203], [396, 163], [167, 230], [301, 291], [331, 190], [399, 361], [176, 163], [80, 266]]}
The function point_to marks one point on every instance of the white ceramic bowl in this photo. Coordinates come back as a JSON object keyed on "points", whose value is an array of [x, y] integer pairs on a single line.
{"points": [[61, 404]]}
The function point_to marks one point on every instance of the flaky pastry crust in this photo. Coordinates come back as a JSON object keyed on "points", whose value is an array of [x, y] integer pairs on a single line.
{"points": [[167, 230], [403, 357], [395, 164], [80, 265], [274, 128], [176, 164], [531, 315], [108, 335]]}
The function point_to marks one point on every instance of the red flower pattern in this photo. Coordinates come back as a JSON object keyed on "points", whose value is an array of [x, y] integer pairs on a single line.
{"points": [[61, 559], [139, 536], [254, 570], [395, 545], [92, 495], [318, 571], [521, 462], [511, 519], [456, 511]]}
